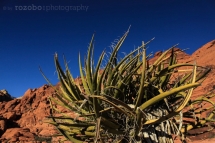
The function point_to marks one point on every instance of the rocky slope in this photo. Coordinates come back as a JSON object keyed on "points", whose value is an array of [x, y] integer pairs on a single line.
{"points": [[21, 120]]}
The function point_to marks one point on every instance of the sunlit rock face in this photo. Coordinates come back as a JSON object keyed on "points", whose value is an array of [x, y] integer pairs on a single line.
{"points": [[5, 96]]}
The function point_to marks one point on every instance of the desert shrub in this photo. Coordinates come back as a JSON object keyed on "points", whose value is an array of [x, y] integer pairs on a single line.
{"points": [[130, 99], [43, 139]]}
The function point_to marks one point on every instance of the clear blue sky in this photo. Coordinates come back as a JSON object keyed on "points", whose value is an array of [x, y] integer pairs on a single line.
{"points": [[29, 38]]}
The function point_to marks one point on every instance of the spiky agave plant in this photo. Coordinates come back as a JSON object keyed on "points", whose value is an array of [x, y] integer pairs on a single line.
{"points": [[129, 100]]}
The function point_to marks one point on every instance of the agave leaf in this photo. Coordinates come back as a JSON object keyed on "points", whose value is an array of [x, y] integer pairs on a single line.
{"points": [[159, 59], [123, 68], [70, 129], [89, 66], [120, 103], [71, 120], [172, 58], [162, 61], [109, 124], [115, 132], [101, 112], [57, 65], [96, 107], [64, 84], [191, 126], [188, 127], [199, 99], [166, 94], [91, 128], [48, 81], [96, 74], [131, 63], [116, 48], [86, 88], [71, 82], [166, 78], [64, 87], [68, 73], [83, 125], [187, 114], [182, 81], [97, 130], [203, 75], [108, 69], [187, 98], [139, 121], [142, 88], [111, 103], [128, 67], [71, 138], [206, 100], [161, 119], [120, 77], [168, 69], [64, 133], [62, 103], [115, 88], [66, 95], [93, 85], [126, 80], [57, 93]]}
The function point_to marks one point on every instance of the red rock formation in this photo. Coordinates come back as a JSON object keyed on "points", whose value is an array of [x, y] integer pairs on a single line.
{"points": [[5, 96], [22, 119], [204, 56]]}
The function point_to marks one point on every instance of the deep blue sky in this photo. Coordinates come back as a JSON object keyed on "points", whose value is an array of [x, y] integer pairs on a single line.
{"points": [[29, 39]]}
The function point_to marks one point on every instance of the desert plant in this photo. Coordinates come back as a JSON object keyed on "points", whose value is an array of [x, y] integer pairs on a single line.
{"points": [[130, 99], [43, 139]]}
